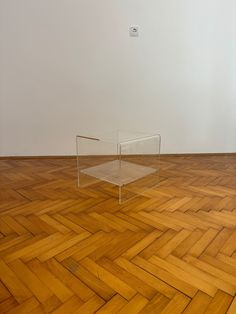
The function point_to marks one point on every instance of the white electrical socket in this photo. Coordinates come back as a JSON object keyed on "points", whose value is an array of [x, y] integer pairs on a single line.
{"points": [[134, 31]]}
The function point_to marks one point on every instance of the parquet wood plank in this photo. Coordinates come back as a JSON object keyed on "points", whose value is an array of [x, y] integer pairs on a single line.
{"points": [[156, 305], [187, 244], [68, 223], [54, 223], [83, 248], [157, 244], [148, 221], [135, 305], [91, 306], [202, 275], [155, 217], [107, 221], [115, 246], [24, 209], [38, 310], [198, 304], [175, 204], [210, 218], [176, 305], [140, 286], [117, 251], [94, 283], [5, 229], [4, 293], [112, 281], [71, 281], [56, 206], [134, 221], [124, 223], [28, 225], [15, 286], [73, 240], [232, 308], [14, 225], [216, 272], [173, 243], [196, 221], [113, 306], [32, 282], [65, 249], [182, 286], [45, 228], [199, 247], [227, 259], [216, 245], [168, 217], [141, 245], [219, 264], [56, 286], [11, 241], [86, 222], [25, 307], [36, 246], [69, 307], [8, 305], [229, 246], [50, 304], [220, 303], [184, 274], [151, 280]]}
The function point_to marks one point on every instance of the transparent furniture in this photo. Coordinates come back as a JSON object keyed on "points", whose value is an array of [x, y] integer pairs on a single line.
{"points": [[120, 164]]}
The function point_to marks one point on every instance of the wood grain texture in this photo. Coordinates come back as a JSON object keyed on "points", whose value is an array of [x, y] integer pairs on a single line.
{"points": [[171, 249]]}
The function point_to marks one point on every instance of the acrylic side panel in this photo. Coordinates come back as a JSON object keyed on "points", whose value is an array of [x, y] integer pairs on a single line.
{"points": [[93, 159], [142, 158]]}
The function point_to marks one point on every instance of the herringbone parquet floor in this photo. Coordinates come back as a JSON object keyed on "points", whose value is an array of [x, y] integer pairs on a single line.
{"points": [[170, 250]]}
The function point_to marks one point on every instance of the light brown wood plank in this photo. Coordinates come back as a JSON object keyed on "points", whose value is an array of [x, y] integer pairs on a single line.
{"points": [[220, 303], [135, 305], [65, 249], [13, 283], [176, 305], [114, 282], [56, 286]]}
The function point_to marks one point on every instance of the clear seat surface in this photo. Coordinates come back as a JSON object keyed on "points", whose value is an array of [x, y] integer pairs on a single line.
{"points": [[119, 172]]}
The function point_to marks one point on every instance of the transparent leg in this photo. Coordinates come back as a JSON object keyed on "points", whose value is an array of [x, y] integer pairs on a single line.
{"points": [[120, 195], [77, 160]]}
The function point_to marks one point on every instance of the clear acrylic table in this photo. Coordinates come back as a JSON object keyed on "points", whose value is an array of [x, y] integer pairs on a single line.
{"points": [[127, 161]]}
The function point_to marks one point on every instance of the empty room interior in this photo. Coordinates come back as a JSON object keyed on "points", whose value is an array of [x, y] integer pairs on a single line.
{"points": [[117, 156]]}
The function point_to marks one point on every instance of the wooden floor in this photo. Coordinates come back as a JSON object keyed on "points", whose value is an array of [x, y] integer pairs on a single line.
{"points": [[171, 250]]}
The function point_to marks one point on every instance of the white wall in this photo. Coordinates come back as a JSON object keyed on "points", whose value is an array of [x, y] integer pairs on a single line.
{"points": [[69, 65]]}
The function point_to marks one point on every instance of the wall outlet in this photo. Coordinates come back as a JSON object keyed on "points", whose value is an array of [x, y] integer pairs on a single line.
{"points": [[134, 31]]}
